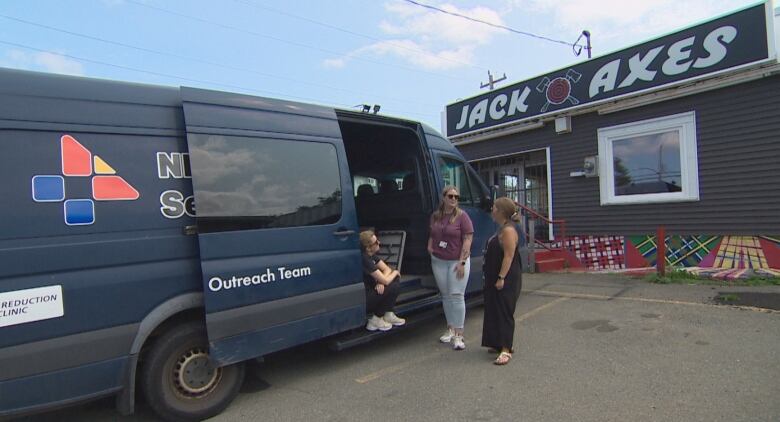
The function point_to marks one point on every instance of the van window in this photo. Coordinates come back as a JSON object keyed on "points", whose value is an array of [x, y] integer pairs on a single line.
{"points": [[255, 183], [453, 172]]}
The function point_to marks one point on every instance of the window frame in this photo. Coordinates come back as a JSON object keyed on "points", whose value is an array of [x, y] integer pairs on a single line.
{"points": [[472, 202], [685, 125]]}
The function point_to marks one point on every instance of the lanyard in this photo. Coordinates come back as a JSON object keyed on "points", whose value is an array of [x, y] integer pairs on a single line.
{"points": [[444, 227]]}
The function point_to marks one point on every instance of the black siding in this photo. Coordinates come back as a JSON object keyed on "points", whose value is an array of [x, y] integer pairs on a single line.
{"points": [[738, 135]]}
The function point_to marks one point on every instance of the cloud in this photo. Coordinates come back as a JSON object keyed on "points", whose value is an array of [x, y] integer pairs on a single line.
{"points": [[428, 39], [49, 62], [618, 23], [59, 64]]}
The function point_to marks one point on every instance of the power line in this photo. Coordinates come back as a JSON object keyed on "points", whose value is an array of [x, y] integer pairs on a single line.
{"points": [[281, 40], [197, 60], [527, 34], [358, 34], [183, 78]]}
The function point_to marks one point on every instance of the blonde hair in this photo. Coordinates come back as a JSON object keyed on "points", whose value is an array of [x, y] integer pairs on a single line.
{"points": [[438, 215], [365, 239], [507, 208]]}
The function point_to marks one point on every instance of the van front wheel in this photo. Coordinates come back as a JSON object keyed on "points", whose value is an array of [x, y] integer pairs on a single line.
{"points": [[179, 380]]}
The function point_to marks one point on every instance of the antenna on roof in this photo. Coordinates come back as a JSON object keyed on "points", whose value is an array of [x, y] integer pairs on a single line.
{"points": [[578, 48]]}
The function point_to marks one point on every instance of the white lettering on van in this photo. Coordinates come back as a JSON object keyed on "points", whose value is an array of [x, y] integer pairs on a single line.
{"points": [[173, 165], [285, 274], [173, 204], [216, 284]]}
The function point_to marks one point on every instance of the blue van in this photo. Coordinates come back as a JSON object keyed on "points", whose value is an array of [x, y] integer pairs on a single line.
{"points": [[111, 282]]}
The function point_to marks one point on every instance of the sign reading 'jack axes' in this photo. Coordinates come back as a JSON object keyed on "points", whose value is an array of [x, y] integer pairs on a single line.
{"points": [[731, 41]]}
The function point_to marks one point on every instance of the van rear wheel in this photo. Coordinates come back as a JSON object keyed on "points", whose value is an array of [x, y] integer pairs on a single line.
{"points": [[179, 380]]}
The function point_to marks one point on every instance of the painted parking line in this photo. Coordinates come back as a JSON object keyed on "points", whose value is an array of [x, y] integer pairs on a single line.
{"points": [[403, 365], [647, 300]]}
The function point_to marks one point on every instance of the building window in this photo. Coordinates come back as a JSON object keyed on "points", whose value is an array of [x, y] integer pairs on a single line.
{"points": [[649, 161]]}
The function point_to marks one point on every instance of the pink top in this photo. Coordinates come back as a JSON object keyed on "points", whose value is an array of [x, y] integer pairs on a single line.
{"points": [[447, 237]]}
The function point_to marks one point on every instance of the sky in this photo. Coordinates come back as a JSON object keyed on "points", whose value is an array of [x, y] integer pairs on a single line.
{"points": [[410, 60]]}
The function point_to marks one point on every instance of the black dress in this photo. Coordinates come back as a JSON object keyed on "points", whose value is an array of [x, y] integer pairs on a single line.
{"points": [[498, 327]]}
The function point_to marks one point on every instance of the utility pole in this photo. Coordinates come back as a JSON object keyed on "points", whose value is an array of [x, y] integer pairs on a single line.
{"points": [[491, 82]]}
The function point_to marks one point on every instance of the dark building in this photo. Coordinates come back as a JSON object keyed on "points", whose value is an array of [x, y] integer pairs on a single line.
{"points": [[681, 132]]}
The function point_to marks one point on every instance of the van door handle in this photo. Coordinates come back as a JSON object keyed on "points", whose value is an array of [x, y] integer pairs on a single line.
{"points": [[343, 232]]}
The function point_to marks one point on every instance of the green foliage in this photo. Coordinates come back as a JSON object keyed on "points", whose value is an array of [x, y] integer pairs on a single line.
{"points": [[680, 276]]}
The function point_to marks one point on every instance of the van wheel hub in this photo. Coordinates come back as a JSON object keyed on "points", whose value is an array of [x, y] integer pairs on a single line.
{"points": [[194, 374]]}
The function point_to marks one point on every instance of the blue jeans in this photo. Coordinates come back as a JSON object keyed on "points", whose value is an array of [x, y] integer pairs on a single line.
{"points": [[452, 289]]}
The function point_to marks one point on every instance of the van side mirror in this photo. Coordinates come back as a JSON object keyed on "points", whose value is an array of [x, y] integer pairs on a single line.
{"points": [[487, 202]]}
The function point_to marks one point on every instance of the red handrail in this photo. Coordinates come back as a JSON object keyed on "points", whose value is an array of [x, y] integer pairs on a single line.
{"points": [[550, 222]]}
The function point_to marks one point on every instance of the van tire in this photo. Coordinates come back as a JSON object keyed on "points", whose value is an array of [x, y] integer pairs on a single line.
{"points": [[178, 381]]}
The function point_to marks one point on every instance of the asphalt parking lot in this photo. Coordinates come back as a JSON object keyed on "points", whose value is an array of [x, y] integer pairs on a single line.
{"points": [[589, 348]]}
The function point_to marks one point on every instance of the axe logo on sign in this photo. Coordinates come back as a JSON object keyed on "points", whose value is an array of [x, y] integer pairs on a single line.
{"points": [[78, 163], [558, 91]]}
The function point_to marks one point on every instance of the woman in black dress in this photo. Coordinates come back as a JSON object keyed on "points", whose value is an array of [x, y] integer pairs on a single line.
{"points": [[503, 279]]}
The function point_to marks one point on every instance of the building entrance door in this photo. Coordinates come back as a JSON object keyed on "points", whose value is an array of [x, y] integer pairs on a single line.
{"points": [[522, 178]]}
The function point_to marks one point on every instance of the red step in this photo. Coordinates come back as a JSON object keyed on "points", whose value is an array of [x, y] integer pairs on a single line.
{"points": [[551, 264], [544, 254]]}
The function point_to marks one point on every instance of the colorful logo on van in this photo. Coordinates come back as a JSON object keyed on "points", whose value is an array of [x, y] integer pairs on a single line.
{"points": [[78, 161]]}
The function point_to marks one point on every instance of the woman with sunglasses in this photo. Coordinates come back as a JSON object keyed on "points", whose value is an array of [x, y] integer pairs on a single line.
{"points": [[503, 280], [382, 286], [449, 245]]}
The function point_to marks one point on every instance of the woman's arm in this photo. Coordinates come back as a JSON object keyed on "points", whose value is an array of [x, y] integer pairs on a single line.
{"points": [[508, 244], [384, 274], [465, 251]]}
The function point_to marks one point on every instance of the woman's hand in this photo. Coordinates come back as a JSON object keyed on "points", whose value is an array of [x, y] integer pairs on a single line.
{"points": [[500, 284], [460, 270], [380, 288]]}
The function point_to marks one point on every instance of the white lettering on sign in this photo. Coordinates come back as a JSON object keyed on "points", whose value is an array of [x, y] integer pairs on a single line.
{"points": [[21, 306], [216, 284], [713, 43], [517, 103], [678, 60], [638, 67]]}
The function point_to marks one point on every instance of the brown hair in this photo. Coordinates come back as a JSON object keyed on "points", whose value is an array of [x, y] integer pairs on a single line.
{"points": [[439, 213], [507, 208], [365, 239]]}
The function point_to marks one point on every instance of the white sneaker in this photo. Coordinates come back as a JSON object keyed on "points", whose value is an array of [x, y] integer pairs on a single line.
{"points": [[447, 336], [393, 319], [376, 323], [457, 343]]}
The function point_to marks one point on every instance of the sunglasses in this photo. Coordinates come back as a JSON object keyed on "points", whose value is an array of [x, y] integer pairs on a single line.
{"points": [[452, 196], [375, 243]]}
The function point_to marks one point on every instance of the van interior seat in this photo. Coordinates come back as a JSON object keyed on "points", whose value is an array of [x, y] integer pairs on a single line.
{"points": [[364, 190], [409, 183], [388, 186]]}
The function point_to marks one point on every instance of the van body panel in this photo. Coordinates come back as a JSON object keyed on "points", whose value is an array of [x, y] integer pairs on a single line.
{"points": [[261, 241], [134, 261], [58, 388], [112, 271]]}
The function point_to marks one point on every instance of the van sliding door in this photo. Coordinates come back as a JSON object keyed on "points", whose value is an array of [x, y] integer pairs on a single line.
{"points": [[276, 223]]}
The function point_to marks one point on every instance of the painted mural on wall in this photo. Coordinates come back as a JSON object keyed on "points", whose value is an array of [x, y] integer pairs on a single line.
{"points": [[598, 252], [709, 255]]}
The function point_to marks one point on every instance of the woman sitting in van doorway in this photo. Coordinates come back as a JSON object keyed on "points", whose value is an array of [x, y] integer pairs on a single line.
{"points": [[450, 247], [382, 286], [503, 280]]}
